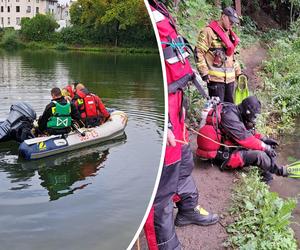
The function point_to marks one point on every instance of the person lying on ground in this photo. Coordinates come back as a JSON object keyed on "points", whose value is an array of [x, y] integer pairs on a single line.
{"points": [[58, 114], [92, 110], [230, 139]]}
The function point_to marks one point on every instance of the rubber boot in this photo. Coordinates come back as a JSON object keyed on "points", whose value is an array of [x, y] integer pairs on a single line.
{"points": [[198, 216]]}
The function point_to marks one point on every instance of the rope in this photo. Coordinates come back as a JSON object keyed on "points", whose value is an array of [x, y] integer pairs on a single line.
{"points": [[206, 137]]}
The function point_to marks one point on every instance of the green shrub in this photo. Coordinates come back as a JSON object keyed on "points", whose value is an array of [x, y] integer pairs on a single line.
{"points": [[39, 28], [261, 218], [10, 39], [61, 46], [73, 35]]}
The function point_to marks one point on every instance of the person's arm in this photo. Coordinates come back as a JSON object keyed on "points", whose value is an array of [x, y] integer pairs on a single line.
{"points": [[43, 119], [202, 47], [102, 108], [75, 113], [236, 130]]}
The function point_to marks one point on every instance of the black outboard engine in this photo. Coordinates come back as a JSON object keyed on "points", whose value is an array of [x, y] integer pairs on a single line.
{"points": [[19, 123]]}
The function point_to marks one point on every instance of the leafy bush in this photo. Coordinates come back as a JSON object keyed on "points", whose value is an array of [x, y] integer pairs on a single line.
{"points": [[39, 28], [282, 79], [261, 218], [193, 16], [73, 35], [10, 39]]}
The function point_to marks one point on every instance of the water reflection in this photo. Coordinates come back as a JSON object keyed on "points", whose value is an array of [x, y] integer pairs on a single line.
{"points": [[62, 180], [60, 175]]}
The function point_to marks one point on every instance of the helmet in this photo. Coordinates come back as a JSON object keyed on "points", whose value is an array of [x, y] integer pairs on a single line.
{"points": [[250, 108]]}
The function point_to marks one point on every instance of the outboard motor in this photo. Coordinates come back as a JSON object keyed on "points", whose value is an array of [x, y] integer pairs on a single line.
{"points": [[19, 123]]}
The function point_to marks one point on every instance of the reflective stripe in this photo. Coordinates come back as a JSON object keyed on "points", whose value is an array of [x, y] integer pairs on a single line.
{"points": [[221, 73], [202, 46], [158, 16]]}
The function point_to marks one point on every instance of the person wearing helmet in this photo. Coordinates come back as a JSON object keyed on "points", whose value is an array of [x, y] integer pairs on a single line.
{"points": [[232, 142], [215, 52]]}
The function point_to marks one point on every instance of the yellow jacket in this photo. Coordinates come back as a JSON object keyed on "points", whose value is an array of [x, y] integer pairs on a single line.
{"points": [[208, 44]]}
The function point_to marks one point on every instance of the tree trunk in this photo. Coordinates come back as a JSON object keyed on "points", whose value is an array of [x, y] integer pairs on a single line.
{"points": [[117, 34], [238, 7]]}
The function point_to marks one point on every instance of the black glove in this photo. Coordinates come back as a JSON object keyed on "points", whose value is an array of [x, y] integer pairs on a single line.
{"points": [[271, 142], [270, 151], [205, 78]]}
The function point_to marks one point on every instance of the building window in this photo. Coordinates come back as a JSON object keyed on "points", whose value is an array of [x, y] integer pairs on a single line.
{"points": [[18, 21], [8, 8], [28, 1], [37, 1], [17, 1], [28, 9], [2, 8], [37, 10], [2, 21], [8, 20], [17, 8]]}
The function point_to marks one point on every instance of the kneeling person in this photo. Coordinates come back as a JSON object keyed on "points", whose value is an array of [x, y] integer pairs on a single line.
{"points": [[229, 137], [58, 115]]}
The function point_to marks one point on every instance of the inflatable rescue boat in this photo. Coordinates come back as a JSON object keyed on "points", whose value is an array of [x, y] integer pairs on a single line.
{"points": [[41, 147], [20, 121]]}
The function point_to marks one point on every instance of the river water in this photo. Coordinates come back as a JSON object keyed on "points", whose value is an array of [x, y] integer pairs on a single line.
{"points": [[94, 198], [288, 187]]}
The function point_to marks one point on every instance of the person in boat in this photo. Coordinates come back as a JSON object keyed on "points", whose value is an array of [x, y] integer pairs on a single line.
{"points": [[91, 108], [215, 51], [229, 138], [58, 114], [69, 91]]}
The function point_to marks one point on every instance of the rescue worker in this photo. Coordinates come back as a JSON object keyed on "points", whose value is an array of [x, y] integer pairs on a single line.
{"points": [[176, 183], [215, 50], [234, 126], [91, 109], [58, 115], [69, 91]]}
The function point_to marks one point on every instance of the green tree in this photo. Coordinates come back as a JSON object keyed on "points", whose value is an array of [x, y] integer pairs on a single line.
{"points": [[39, 28], [107, 18]]}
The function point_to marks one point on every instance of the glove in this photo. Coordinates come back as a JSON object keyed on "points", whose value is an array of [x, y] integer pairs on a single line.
{"points": [[271, 142], [205, 78], [270, 151]]}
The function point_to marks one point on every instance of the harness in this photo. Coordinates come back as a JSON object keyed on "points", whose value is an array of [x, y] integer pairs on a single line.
{"points": [[61, 116], [230, 41]]}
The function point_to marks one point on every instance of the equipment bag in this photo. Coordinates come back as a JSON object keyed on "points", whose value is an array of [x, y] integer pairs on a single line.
{"points": [[241, 91]]}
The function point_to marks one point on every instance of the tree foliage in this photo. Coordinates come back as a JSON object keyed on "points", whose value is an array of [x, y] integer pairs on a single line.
{"points": [[39, 28], [104, 20]]}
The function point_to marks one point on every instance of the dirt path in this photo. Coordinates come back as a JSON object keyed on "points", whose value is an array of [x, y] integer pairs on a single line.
{"points": [[215, 186]]}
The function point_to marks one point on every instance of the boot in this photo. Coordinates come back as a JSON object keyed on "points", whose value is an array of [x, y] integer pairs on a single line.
{"points": [[198, 216], [267, 177]]}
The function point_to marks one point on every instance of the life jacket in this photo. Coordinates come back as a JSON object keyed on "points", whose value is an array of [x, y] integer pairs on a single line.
{"points": [[210, 136], [61, 116], [230, 42], [87, 105]]}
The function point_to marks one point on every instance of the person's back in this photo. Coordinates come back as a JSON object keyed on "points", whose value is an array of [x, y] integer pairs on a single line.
{"points": [[58, 114], [92, 110]]}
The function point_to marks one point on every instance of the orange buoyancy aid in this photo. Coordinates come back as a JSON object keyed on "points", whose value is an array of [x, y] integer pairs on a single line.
{"points": [[230, 41]]}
